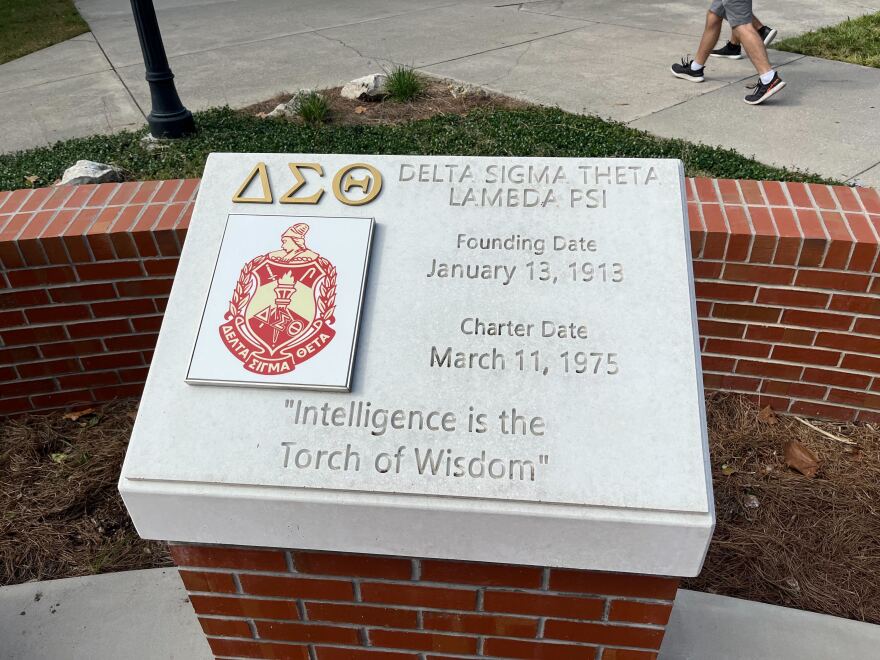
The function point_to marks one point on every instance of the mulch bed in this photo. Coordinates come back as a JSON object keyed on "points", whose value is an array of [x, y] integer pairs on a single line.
{"points": [[438, 97], [61, 513], [782, 537]]}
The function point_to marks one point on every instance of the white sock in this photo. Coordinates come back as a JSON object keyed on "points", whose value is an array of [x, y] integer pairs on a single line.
{"points": [[767, 77], [696, 66]]}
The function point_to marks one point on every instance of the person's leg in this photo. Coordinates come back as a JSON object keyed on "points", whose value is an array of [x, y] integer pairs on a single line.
{"points": [[770, 83], [692, 70], [754, 45], [711, 32], [755, 24]]}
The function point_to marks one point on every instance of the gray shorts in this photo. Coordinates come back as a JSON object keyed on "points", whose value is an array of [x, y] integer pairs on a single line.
{"points": [[737, 12]]}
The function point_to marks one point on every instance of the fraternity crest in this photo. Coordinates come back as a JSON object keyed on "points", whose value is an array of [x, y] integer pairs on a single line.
{"points": [[282, 307]]}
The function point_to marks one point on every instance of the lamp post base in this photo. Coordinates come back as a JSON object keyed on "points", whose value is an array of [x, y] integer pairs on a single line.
{"points": [[173, 125]]}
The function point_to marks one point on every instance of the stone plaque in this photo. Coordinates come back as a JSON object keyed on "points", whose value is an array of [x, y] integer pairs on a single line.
{"points": [[526, 384]]}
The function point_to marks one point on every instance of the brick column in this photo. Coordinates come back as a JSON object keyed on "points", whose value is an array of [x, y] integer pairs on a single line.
{"points": [[273, 603]]}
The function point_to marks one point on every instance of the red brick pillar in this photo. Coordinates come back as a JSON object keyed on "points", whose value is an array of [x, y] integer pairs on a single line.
{"points": [[272, 603]]}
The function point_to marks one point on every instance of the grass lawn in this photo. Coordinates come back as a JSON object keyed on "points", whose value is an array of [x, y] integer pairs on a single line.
{"points": [[29, 25], [856, 40], [531, 131]]}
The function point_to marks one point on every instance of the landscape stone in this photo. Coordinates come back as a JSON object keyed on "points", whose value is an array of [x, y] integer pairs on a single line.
{"points": [[281, 110], [88, 171], [151, 143], [291, 107], [368, 88]]}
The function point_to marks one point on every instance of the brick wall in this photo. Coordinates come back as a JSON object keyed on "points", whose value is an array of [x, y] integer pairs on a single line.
{"points": [[787, 291], [265, 603], [787, 275], [86, 275]]}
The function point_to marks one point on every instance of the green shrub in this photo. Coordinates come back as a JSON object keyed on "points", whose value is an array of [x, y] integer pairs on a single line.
{"points": [[404, 84], [543, 132], [312, 107]]}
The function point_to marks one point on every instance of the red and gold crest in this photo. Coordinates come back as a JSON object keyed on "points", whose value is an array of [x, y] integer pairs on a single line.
{"points": [[282, 307]]}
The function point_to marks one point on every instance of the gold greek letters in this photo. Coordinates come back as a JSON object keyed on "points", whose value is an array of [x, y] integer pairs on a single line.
{"points": [[360, 176], [289, 198], [259, 168], [344, 181]]}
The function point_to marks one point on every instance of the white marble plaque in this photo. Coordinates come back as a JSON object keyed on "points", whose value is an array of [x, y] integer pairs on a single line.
{"points": [[526, 383]]}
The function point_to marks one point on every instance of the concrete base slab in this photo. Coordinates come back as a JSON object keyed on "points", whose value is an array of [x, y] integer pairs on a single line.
{"points": [[576, 72], [870, 177], [790, 17], [419, 39], [241, 75], [62, 109], [194, 26], [75, 57], [706, 626], [824, 120], [683, 18], [137, 615], [63, 91]]}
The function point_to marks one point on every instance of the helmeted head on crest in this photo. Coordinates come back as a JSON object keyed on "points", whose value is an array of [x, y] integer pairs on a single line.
{"points": [[295, 237]]}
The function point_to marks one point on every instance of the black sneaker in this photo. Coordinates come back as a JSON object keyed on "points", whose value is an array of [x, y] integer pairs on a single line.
{"points": [[763, 92], [685, 72], [768, 34], [728, 50]]}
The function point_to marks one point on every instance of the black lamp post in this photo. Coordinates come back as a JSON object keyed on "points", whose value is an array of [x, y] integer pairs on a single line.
{"points": [[168, 118]]}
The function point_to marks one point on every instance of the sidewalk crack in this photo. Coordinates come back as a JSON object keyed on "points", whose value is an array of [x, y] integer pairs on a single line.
{"points": [[119, 78], [505, 46]]}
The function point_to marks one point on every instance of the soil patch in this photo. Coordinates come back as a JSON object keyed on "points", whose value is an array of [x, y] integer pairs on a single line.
{"points": [[438, 97], [61, 513], [782, 537]]}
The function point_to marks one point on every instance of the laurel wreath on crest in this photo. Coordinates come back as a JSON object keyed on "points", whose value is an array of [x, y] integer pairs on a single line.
{"points": [[326, 300]]}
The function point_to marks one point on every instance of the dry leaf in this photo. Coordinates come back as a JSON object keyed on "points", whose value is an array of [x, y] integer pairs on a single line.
{"points": [[751, 502], [32, 178], [767, 416], [854, 453], [801, 459], [75, 415], [360, 110]]}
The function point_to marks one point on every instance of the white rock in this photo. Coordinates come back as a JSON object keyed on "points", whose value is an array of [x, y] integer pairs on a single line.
{"points": [[281, 110], [88, 171], [368, 88], [289, 109], [151, 143], [462, 90]]}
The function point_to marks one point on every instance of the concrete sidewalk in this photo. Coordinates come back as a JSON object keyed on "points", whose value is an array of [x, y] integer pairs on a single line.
{"points": [[145, 615], [605, 57], [137, 615]]}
